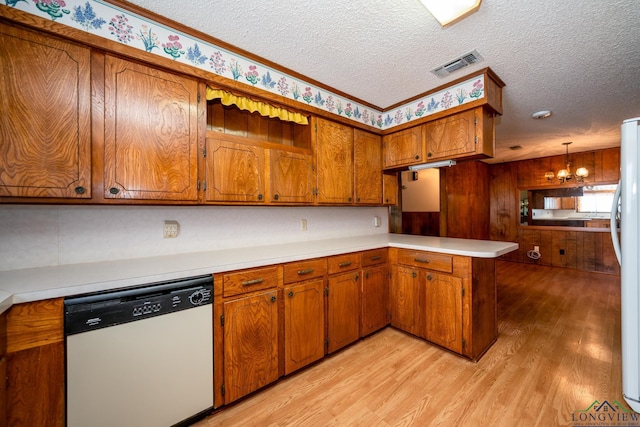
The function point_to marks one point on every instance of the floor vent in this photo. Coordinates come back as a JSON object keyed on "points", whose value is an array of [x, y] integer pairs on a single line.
{"points": [[458, 63]]}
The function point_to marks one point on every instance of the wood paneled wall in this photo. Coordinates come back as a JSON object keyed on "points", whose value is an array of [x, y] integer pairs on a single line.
{"points": [[464, 201], [421, 223], [582, 250]]}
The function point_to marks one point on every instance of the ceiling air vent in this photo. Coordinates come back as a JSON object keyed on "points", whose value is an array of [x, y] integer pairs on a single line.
{"points": [[455, 64]]}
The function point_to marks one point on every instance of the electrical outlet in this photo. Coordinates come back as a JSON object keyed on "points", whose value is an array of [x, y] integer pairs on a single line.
{"points": [[536, 248], [171, 229], [376, 221], [303, 224]]}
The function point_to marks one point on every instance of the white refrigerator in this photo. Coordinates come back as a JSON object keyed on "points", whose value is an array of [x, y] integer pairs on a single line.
{"points": [[626, 205]]}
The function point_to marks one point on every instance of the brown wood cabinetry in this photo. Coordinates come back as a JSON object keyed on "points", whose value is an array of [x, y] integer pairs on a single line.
{"points": [[456, 297], [343, 301], [303, 313], [390, 189], [45, 116], [405, 299], [334, 162], [249, 326], [374, 299], [35, 364], [290, 178], [367, 163], [151, 133], [468, 134], [235, 171], [403, 148]]}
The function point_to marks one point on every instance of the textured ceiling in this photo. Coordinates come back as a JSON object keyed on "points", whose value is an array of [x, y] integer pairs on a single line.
{"points": [[578, 58]]}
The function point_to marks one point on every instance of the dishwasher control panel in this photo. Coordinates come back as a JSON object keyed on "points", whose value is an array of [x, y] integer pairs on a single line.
{"points": [[94, 311]]}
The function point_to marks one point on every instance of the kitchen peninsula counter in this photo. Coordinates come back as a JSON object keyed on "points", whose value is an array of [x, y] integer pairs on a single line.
{"points": [[34, 284]]}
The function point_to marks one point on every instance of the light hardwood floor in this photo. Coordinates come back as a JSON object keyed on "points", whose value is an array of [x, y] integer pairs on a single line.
{"points": [[558, 351]]}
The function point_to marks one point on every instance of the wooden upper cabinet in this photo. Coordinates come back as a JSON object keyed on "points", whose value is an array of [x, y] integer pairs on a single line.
{"points": [[390, 189], [45, 116], [151, 133], [403, 148], [290, 178], [235, 171], [367, 161], [467, 134], [334, 151]]}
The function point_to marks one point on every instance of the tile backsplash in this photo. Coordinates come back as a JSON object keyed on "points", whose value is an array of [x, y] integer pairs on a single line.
{"points": [[40, 236]]}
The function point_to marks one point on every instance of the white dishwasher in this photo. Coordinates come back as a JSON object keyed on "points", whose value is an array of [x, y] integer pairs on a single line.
{"points": [[141, 356]]}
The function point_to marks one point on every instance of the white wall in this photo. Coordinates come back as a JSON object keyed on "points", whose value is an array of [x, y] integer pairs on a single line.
{"points": [[38, 236], [422, 195]]}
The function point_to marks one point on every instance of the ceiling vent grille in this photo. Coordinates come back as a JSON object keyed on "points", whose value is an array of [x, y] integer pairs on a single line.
{"points": [[458, 63]]}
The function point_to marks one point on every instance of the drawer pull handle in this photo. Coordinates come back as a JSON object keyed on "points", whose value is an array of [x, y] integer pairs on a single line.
{"points": [[375, 258], [307, 271], [344, 264], [423, 260], [252, 282]]}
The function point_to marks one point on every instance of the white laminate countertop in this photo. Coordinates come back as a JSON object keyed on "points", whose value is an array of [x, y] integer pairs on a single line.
{"points": [[34, 284]]}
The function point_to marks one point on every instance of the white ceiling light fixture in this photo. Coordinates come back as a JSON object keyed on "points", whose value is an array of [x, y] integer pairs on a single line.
{"points": [[432, 165], [451, 11], [542, 114]]}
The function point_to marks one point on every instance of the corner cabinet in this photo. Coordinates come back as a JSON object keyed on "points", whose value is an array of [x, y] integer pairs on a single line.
{"points": [[450, 300], [45, 116], [151, 133]]}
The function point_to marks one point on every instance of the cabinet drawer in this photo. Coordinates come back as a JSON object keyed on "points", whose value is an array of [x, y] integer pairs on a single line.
{"points": [[429, 260], [304, 270], [347, 262], [374, 257], [251, 280]]}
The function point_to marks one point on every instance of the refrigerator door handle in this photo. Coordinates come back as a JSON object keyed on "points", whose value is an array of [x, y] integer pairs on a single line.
{"points": [[614, 225]]}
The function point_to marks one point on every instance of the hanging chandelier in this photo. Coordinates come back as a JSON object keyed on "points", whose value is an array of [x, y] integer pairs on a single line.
{"points": [[565, 175]]}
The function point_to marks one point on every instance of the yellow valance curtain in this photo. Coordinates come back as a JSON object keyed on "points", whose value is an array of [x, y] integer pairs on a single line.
{"points": [[262, 108]]}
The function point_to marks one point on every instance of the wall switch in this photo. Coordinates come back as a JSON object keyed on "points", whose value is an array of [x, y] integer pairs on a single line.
{"points": [[171, 229], [376, 221], [303, 224]]}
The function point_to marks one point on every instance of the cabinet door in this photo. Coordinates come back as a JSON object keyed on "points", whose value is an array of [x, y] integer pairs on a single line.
{"points": [[443, 311], [291, 177], [405, 299], [45, 122], [390, 189], [250, 344], [403, 148], [375, 299], [303, 324], [453, 136], [151, 133], [367, 161], [334, 160], [235, 172], [343, 310]]}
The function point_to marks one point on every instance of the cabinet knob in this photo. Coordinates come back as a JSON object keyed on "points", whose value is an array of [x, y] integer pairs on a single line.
{"points": [[417, 157], [273, 298], [114, 190], [414, 274], [80, 190], [290, 294], [429, 277], [259, 196], [276, 197], [429, 154]]}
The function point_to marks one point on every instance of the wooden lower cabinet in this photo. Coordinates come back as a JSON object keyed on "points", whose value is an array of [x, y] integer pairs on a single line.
{"points": [[443, 310], [405, 299], [343, 320], [374, 295], [303, 324], [450, 300], [250, 344], [35, 364]]}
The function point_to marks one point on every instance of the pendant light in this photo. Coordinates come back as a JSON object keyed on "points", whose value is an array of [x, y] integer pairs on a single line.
{"points": [[565, 175]]}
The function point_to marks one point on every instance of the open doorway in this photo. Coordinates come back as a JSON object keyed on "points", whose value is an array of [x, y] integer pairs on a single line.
{"points": [[420, 202]]}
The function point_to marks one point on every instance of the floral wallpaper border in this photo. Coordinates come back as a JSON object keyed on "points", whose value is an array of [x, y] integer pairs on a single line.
{"points": [[117, 24]]}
